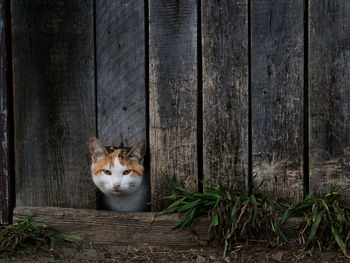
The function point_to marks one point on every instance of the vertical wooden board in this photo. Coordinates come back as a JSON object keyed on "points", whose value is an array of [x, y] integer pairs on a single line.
{"points": [[329, 95], [277, 93], [54, 91], [120, 56], [225, 92], [173, 95], [5, 112]]}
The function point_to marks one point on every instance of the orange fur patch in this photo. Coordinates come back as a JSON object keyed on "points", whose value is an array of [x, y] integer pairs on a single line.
{"points": [[112, 157], [132, 164], [97, 167], [137, 169]]}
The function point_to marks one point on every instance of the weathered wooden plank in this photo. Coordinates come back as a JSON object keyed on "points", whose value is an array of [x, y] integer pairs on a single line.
{"points": [[6, 202], [329, 95], [120, 57], [225, 92], [277, 92], [172, 95], [120, 229], [54, 105], [130, 228]]}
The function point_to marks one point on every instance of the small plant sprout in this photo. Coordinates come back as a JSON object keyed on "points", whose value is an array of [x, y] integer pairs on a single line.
{"points": [[14, 238]]}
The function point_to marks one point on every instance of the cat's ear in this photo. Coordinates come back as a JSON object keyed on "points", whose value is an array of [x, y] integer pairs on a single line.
{"points": [[138, 150], [97, 150]]}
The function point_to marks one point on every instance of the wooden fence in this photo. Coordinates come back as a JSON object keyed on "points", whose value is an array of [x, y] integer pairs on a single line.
{"points": [[221, 89]]}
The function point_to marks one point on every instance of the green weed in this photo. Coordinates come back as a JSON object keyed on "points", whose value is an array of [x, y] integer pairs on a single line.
{"points": [[233, 215], [326, 220], [14, 238]]}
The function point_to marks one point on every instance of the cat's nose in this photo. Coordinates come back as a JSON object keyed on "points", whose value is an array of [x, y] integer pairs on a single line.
{"points": [[116, 186]]}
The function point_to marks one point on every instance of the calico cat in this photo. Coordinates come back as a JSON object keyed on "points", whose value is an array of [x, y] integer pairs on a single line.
{"points": [[118, 173]]}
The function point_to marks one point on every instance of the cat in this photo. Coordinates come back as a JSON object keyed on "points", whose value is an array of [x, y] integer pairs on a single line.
{"points": [[119, 175]]}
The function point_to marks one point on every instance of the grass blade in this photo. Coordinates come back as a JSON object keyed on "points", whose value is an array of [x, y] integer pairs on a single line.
{"points": [[314, 228], [339, 240], [175, 185], [172, 208], [255, 207], [188, 218], [189, 206], [214, 220], [225, 248]]}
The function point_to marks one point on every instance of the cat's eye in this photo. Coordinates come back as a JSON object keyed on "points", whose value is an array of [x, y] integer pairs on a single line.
{"points": [[108, 172], [126, 172]]}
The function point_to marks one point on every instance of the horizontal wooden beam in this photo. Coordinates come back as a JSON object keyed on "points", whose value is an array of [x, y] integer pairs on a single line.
{"points": [[119, 228], [128, 228]]}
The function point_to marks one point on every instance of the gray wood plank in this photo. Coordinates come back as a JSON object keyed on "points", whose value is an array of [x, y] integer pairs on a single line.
{"points": [[277, 92], [173, 95], [225, 92], [143, 228], [120, 57], [120, 229], [54, 92], [329, 95], [6, 172]]}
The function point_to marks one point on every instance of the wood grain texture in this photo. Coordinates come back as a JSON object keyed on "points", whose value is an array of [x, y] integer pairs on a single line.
{"points": [[225, 92], [120, 57], [277, 92], [6, 173], [173, 95], [329, 95], [130, 228], [119, 229], [54, 102]]}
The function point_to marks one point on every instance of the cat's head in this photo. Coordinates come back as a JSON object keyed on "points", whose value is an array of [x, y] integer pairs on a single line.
{"points": [[117, 171]]}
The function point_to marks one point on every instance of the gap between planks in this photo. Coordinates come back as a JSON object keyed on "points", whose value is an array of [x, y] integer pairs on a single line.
{"points": [[126, 228]]}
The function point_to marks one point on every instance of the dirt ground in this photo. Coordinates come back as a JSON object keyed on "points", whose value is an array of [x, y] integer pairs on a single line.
{"points": [[253, 251]]}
